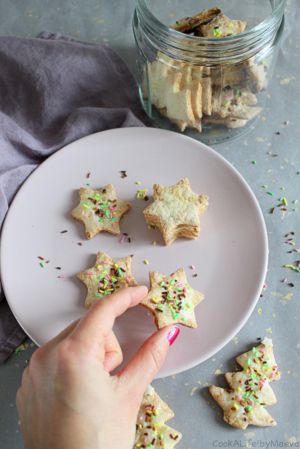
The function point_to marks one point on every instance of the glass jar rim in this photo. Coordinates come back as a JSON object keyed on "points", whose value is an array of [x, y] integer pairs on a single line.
{"points": [[208, 51], [277, 11]]}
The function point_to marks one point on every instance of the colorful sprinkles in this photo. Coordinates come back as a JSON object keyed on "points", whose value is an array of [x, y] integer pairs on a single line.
{"points": [[151, 430], [141, 194], [173, 296], [42, 261], [289, 239], [106, 277], [103, 208], [246, 393], [109, 280], [22, 347], [124, 237], [217, 32]]}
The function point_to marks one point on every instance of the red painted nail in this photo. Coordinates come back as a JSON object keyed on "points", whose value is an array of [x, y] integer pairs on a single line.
{"points": [[173, 334]]}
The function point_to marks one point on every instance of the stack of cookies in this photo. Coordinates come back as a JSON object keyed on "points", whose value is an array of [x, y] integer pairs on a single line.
{"points": [[190, 95], [249, 391]]}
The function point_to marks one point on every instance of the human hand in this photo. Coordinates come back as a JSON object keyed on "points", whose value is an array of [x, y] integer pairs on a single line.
{"points": [[69, 399]]}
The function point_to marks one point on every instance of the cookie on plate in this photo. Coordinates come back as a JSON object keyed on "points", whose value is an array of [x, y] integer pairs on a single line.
{"points": [[176, 211], [100, 210], [106, 276], [151, 430], [171, 299]]}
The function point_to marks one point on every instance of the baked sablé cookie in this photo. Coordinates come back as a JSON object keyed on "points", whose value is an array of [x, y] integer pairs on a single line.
{"points": [[106, 276], [221, 26], [176, 211], [151, 430], [249, 391], [244, 402], [100, 210], [260, 360], [171, 299]]}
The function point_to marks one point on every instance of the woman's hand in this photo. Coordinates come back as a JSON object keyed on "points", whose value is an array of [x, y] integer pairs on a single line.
{"points": [[69, 399]]}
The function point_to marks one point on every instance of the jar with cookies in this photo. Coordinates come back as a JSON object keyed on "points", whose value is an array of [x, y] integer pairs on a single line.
{"points": [[204, 70]]}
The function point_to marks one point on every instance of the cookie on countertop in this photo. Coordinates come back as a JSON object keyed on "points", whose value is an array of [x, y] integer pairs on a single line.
{"points": [[244, 402], [172, 300], [106, 276], [151, 430], [260, 360], [249, 391], [100, 210], [176, 211]]}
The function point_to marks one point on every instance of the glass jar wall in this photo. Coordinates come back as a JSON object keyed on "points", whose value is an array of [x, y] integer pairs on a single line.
{"points": [[212, 83]]}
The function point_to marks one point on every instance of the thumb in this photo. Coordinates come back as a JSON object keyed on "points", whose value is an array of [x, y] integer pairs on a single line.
{"points": [[149, 359]]}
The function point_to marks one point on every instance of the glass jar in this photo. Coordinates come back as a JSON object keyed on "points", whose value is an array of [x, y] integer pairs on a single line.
{"points": [[210, 87]]}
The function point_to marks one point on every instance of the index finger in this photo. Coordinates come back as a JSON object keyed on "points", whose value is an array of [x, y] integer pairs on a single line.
{"points": [[94, 327]]}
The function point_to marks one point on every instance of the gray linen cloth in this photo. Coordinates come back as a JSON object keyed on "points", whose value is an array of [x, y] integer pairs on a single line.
{"points": [[53, 90]]}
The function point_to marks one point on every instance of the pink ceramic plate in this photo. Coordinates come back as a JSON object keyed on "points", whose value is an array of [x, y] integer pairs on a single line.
{"points": [[230, 257]]}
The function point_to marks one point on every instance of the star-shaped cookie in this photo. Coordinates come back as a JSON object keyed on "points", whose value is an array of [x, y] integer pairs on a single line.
{"points": [[151, 430], [176, 211], [100, 210], [106, 276], [171, 299]]}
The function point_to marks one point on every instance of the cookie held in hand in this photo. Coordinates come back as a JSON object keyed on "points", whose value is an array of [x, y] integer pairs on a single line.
{"points": [[151, 430], [172, 300], [176, 211], [100, 210], [106, 277]]}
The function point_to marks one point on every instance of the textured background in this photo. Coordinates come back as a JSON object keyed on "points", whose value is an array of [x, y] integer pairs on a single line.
{"points": [[274, 145]]}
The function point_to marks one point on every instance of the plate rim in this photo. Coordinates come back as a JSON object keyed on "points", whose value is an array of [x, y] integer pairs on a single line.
{"points": [[202, 147]]}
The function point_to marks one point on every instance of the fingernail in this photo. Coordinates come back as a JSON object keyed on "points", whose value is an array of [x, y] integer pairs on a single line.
{"points": [[173, 334]]}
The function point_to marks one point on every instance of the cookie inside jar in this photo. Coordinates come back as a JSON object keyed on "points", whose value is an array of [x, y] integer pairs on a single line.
{"points": [[207, 74]]}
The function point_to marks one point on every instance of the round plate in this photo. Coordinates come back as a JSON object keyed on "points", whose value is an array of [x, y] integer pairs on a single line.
{"points": [[230, 257]]}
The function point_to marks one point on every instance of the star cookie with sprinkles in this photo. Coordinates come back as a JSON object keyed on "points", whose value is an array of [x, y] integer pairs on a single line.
{"points": [[100, 210], [176, 211], [151, 430], [249, 391], [106, 277], [172, 300]]}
